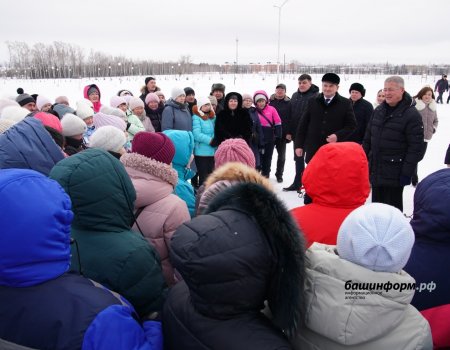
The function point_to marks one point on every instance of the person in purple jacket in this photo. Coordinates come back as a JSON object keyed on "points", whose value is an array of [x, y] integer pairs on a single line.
{"points": [[43, 305]]}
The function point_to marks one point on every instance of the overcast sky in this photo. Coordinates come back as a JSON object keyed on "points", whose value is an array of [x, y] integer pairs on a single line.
{"points": [[325, 31]]}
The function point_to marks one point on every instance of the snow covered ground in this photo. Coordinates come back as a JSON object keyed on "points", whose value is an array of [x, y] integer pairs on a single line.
{"points": [[201, 83]]}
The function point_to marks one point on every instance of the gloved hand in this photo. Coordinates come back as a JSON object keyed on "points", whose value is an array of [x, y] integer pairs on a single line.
{"points": [[405, 180]]}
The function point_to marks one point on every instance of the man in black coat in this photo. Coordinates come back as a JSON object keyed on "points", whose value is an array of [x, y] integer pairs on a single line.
{"points": [[281, 102], [363, 111], [441, 86], [306, 90], [393, 143], [328, 118]]}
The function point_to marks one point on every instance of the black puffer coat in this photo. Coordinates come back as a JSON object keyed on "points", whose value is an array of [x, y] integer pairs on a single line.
{"points": [[245, 249], [233, 124], [363, 111], [298, 104], [393, 142]]}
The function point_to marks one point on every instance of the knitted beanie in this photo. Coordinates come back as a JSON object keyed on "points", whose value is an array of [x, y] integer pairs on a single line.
{"points": [[84, 110], [259, 96], [246, 96], [201, 101], [114, 111], [376, 236], [5, 124], [189, 91], [14, 113], [177, 91], [234, 150], [72, 125], [93, 89], [101, 119], [116, 101], [212, 191], [49, 120], [134, 102], [41, 101], [63, 109], [154, 145], [160, 93], [108, 138], [358, 87], [23, 98], [151, 97], [6, 102]]}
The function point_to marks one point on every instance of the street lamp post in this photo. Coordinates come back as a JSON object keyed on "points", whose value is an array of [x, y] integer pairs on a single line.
{"points": [[279, 34]]}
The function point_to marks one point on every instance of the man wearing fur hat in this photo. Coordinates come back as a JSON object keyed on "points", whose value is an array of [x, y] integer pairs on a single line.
{"points": [[393, 143], [328, 118], [363, 111]]}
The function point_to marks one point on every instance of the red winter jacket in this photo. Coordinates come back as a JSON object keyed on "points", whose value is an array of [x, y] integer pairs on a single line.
{"points": [[337, 180]]}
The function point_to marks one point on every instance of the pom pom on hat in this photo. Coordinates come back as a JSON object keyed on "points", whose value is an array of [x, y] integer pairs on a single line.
{"points": [[108, 138], [116, 101], [376, 236], [177, 91], [72, 125], [234, 150], [14, 113], [154, 145], [41, 101], [358, 87], [20, 91], [331, 78], [151, 97], [102, 119], [49, 120], [134, 102]]}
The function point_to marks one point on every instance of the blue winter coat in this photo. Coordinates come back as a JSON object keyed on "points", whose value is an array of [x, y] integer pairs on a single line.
{"points": [[42, 306], [176, 117], [184, 146], [27, 145], [203, 130]]}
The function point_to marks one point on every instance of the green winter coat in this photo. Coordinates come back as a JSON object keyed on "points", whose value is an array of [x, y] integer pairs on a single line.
{"points": [[103, 196]]}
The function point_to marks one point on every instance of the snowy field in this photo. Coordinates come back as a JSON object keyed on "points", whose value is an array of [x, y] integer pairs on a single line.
{"points": [[201, 83]]}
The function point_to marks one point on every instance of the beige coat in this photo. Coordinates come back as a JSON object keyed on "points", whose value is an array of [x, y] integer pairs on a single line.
{"points": [[386, 321], [429, 118], [163, 211]]}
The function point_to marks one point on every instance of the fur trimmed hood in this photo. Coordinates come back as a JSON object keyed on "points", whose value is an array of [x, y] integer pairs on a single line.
{"points": [[150, 166], [420, 105], [201, 114], [234, 171], [286, 283]]}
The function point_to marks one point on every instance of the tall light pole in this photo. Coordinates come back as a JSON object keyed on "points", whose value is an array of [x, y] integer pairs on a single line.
{"points": [[279, 34]]}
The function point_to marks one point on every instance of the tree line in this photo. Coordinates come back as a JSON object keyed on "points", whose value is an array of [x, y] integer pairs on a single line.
{"points": [[60, 60]]}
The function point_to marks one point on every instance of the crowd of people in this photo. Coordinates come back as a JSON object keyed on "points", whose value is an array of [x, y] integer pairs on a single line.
{"points": [[150, 222]]}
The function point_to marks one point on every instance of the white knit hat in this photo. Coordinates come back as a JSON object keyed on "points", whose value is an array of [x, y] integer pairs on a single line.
{"points": [[41, 101], [134, 102], [376, 236], [84, 110], [116, 101], [101, 119], [72, 125], [201, 101], [108, 138], [5, 124], [114, 111], [177, 91], [14, 113], [6, 102]]}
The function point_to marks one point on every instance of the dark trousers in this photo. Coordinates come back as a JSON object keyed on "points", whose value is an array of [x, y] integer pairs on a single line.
{"points": [[448, 98], [280, 145], [388, 195], [205, 166], [439, 98], [266, 159], [415, 177]]}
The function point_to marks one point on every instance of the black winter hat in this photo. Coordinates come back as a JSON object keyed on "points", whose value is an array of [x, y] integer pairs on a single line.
{"points": [[23, 98], [218, 86], [189, 91], [358, 87], [331, 78], [148, 79]]}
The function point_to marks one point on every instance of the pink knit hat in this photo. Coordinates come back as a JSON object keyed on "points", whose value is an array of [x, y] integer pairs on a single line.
{"points": [[116, 101], [154, 145], [151, 97], [101, 119], [234, 150], [49, 120]]}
